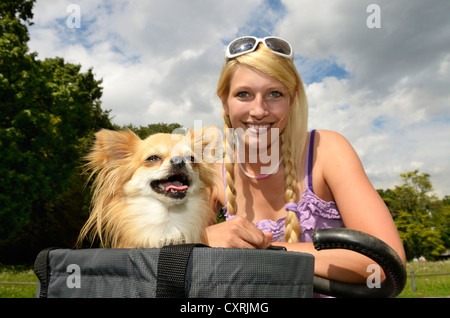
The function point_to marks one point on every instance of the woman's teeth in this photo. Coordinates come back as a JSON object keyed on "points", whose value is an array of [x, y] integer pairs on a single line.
{"points": [[258, 127]]}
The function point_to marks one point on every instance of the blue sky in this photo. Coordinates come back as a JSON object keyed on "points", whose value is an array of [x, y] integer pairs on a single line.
{"points": [[385, 89], [316, 70]]}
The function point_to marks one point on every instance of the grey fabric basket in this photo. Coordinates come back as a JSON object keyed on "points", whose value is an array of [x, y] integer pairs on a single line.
{"points": [[176, 271]]}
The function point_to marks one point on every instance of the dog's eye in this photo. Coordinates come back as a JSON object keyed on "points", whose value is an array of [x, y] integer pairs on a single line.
{"points": [[153, 158]]}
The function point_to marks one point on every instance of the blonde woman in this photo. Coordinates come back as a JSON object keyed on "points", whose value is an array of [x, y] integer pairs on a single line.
{"points": [[279, 181]]}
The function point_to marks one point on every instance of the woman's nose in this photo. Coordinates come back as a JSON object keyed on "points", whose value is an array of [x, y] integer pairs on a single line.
{"points": [[259, 108]]}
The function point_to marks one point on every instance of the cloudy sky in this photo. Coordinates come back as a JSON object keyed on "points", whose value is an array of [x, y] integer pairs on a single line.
{"points": [[382, 83]]}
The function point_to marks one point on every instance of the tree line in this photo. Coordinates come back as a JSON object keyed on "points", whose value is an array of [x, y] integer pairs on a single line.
{"points": [[49, 113], [422, 219]]}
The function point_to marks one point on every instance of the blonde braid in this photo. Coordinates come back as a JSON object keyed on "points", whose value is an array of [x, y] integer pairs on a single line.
{"points": [[230, 191], [292, 223]]}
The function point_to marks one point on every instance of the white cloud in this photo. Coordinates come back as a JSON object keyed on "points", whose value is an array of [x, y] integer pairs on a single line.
{"points": [[160, 61], [394, 104], [146, 52]]}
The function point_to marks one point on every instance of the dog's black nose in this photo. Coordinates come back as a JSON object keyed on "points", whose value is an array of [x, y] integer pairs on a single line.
{"points": [[178, 161]]}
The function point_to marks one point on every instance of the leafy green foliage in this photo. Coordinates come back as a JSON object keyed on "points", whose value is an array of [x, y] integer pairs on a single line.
{"points": [[17, 9], [145, 131], [421, 219], [49, 113], [50, 110]]}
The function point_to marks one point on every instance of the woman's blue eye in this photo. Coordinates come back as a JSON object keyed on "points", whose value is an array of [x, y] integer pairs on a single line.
{"points": [[276, 94], [242, 94]]}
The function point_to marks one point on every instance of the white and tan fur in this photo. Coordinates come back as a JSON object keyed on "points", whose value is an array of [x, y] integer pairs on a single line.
{"points": [[130, 209]]}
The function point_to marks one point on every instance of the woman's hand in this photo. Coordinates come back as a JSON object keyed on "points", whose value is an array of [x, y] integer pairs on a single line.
{"points": [[237, 233]]}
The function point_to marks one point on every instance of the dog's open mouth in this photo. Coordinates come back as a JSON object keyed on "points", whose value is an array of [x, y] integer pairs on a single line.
{"points": [[174, 187]]}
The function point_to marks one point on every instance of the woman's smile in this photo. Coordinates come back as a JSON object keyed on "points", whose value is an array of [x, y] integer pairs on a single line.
{"points": [[258, 129]]}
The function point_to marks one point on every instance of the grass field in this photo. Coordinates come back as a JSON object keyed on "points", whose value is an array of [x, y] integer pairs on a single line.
{"points": [[17, 274], [426, 286]]}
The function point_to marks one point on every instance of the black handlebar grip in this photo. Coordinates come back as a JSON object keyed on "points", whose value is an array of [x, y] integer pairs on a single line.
{"points": [[365, 244]]}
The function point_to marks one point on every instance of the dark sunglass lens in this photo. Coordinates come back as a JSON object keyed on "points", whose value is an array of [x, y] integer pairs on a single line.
{"points": [[242, 45], [279, 46]]}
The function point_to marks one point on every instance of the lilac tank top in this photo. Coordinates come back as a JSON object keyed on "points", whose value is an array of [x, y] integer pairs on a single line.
{"points": [[312, 211]]}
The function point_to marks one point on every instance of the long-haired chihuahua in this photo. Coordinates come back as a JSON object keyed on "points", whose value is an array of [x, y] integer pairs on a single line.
{"points": [[148, 193]]}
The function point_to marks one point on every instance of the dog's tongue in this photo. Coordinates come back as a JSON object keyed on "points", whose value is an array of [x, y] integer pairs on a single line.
{"points": [[174, 185]]}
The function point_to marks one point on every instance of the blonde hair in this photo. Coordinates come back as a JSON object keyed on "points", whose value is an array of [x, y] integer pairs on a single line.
{"points": [[282, 69]]}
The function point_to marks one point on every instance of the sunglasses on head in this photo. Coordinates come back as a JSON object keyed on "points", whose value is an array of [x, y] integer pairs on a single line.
{"points": [[247, 44]]}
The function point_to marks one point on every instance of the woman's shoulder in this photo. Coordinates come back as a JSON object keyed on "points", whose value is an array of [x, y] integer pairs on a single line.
{"points": [[334, 155], [329, 135], [331, 142]]}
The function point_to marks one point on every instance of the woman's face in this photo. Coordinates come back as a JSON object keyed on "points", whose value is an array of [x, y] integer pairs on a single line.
{"points": [[257, 104]]}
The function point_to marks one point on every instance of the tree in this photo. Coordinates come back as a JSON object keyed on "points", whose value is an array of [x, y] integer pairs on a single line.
{"points": [[441, 219], [145, 131], [48, 115], [17, 9], [417, 215]]}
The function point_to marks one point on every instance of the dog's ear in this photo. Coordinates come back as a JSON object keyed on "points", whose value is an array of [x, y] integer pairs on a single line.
{"points": [[210, 142], [112, 145]]}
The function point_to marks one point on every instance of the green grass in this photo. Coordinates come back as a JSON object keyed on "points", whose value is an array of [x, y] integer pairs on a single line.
{"points": [[428, 286], [17, 274]]}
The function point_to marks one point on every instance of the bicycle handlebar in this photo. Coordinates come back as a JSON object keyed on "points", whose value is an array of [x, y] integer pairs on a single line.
{"points": [[365, 244]]}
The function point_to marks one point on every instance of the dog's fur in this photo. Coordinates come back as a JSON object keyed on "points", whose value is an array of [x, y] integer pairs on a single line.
{"points": [[147, 193]]}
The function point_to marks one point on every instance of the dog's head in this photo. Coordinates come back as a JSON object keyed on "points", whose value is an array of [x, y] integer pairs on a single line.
{"points": [[159, 174], [167, 168]]}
